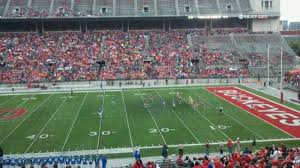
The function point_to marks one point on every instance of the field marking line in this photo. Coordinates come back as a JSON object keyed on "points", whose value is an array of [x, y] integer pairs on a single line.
{"points": [[237, 121], [36, 137], [206, 118], [100, 122], [79, 109], [96, 90], [7, 100], [129, 150], [182, 122], [153, 118], [34, 110], [256, 116], [24, 101], [125, 110]]}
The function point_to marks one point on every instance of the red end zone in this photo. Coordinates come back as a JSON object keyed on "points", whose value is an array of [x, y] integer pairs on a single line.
{"points": [[283, 118]]}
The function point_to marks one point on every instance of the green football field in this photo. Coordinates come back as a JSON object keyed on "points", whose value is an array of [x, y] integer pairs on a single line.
{"points": [[32, 123]]}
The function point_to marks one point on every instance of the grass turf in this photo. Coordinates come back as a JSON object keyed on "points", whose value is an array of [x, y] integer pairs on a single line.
{"points": [[57, 122]]}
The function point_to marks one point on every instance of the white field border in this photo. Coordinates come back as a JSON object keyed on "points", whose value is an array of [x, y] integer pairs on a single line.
{"points": [[130, 150], [34, 110], [36, 137], [251, 113], [182, 122], [107, 90], [125, 110], [237, 121], [158, 129], [206, 119], [79, 109]]}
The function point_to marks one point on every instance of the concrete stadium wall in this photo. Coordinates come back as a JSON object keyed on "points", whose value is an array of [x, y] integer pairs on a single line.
{"points": [[126, 84], [257, 6], [265, 25]]}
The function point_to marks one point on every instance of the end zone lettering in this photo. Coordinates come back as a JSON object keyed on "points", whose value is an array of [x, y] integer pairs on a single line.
{"points": [[281, 117]]}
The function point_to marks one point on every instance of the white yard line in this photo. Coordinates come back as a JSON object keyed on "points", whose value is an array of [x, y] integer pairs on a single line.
{"points": [[97, 90], [254, 115], [182, 122], [130, 136], [36, 137], [7, 100], [79, 109], [24, 101], [100, 122], [232, 118], [26, 118], [129, 150], [158, 129], [206, 119]]}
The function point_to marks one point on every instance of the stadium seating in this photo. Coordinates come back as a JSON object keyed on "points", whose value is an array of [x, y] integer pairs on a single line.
{"points": [[125, 8], [229, 7], [255, 46], [166, 7], [2, 6], [208, 6], [17, 8], [245, 5], [83, 7], [187, 7], [61, 8], [59, 161], [146, 7], [39, 8], [27, 57], [104, 8], [270, 156]]}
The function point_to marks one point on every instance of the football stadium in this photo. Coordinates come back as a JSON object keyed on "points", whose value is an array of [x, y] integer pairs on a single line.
{"points": [[147, 83]]}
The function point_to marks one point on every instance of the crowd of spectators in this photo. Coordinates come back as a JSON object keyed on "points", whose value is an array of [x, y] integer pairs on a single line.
{"points": [[235, 157], [73, 56], [35, 12], [293, 81], [62, 10]]}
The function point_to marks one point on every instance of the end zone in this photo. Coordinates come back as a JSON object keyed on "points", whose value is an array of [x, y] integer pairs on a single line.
{"points": [[281, 117]]}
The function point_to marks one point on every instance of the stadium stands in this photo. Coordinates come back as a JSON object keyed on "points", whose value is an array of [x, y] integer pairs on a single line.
{"points": [[61, 8], [39, 8], [55, 161], [245, 5], [86, 8], [26, 56], [229, 6], [83, 7], [104, 8], [17, 8], [208, 7], [125, 8], [2, 6], [166, 7], [255, 46], [145, 7], [187, 7], [269, 156]]}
